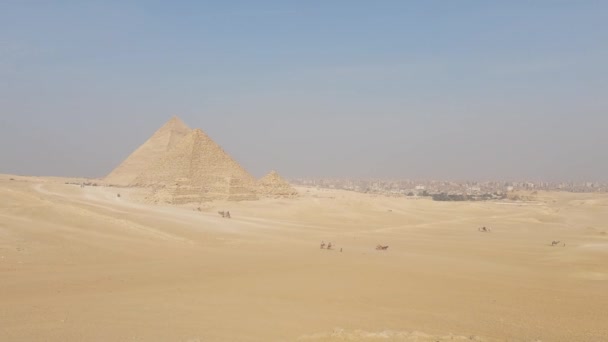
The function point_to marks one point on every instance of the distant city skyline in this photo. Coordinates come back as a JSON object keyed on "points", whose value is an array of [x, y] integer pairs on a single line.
{"points": [[351, 89], [480, 190]]}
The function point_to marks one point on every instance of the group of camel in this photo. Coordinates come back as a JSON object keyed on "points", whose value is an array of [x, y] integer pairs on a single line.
{"points": [[330, 246], [383, 248], [487, 230], [224, 214]]}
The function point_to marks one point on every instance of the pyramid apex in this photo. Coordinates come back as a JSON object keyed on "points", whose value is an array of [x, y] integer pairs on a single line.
{"points": [[175, 121], [273, 175]]}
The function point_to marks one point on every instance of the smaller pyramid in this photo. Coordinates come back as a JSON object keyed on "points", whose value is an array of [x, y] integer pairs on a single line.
{"points": [[163, 140], [273, 185]]}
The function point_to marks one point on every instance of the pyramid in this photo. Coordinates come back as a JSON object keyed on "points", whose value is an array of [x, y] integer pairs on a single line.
{"points": [[149, 153], [273, 185], [196, 169]]}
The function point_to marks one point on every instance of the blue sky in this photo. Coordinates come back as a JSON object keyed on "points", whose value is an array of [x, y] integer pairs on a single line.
{"points": [[384, 89]]}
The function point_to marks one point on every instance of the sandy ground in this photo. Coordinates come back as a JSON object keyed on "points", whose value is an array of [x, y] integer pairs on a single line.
{"points": [[85, 265]]}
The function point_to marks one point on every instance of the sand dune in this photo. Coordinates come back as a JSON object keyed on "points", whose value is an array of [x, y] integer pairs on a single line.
{"points": [[84, 264]]}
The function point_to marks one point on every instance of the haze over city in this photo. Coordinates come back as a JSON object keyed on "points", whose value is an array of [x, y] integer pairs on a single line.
{"points": [[432, 90]]}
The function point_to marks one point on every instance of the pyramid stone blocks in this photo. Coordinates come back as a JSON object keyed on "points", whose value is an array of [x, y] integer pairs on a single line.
{"points": [[187, 166]]}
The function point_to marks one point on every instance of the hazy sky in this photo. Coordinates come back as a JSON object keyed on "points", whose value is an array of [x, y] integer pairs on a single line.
{"points": [[399, 89]]}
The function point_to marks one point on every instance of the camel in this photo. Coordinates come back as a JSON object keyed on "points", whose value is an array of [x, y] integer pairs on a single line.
{"points": [[329, 245], [555, 243], [322, 244], [225, 214], [381, 248], [484, 230]]}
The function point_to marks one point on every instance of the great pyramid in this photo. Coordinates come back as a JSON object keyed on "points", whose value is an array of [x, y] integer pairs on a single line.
{"points": [[196, 169], [273, 185], [167, 137]]}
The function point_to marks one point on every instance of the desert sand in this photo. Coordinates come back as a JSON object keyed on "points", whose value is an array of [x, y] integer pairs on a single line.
{"points": [[82, 264]]}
